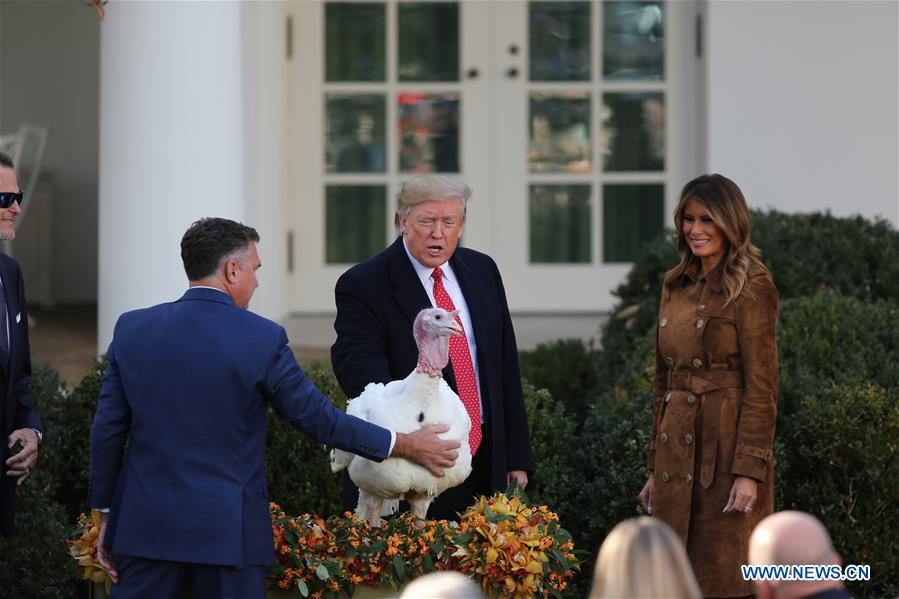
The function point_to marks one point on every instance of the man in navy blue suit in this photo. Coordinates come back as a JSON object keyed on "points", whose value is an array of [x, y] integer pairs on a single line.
{"points": [[377, 301], [187, 389], [18, 413]]}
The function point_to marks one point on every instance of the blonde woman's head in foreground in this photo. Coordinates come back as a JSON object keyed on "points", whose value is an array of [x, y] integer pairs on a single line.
{"points": [[643, 557]]}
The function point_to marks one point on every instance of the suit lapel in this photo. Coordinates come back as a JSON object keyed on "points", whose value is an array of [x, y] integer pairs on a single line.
{"points": [[407, 288], [11, 309]]}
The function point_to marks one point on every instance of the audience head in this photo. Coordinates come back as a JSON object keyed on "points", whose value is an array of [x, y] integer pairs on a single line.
{"points": [[10, 206], [643, 557], [442, 585], [791, 538]]}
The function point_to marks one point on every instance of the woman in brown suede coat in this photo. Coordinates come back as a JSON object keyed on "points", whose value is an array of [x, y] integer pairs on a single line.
{"points": [[715, 387]]}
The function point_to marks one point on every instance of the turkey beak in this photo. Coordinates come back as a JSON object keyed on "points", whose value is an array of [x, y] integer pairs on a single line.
{"points": [[456, 327]]}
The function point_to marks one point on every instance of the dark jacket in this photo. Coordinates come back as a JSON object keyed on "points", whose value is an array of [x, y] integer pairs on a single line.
{"points": [[18, 408], [188, 386], [377, 302]]}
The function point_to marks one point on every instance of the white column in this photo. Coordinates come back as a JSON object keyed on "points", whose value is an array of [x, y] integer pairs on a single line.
{"points": [[171, 143]]}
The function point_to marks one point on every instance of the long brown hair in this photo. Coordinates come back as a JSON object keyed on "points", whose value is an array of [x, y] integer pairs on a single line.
{"points": [[727, 208]]}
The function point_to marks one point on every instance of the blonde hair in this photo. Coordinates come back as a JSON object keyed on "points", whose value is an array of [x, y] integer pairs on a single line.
{"points": [[643, 557], [727, 209], [431, 187]]}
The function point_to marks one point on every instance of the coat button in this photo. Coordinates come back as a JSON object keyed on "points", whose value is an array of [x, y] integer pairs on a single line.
{"points": [[665, 477], [663, 437], [668, 397], [669, 361], [701, 307], [663, 322], [688, 478], [688, 439], [700, 323], [697, 362], [691, 399]]}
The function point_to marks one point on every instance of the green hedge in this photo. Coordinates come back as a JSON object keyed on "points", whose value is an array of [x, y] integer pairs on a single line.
{"points": [[806, 253], [35, 561], [299, 471]]}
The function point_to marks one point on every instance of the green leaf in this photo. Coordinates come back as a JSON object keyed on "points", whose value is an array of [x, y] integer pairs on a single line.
{"points": [[427, 564], [400, 570], [301, 585], [322, 572]]}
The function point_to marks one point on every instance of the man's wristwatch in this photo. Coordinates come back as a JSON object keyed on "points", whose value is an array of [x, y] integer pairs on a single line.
{"points": [[40, 435]]}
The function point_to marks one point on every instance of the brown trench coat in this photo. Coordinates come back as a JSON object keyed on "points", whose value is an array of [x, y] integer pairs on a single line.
{"points": [[714, 410]]}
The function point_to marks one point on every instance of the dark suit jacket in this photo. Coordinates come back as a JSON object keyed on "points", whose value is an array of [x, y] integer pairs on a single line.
{"points": [[18, 405], [377, 302], [188, 386]]}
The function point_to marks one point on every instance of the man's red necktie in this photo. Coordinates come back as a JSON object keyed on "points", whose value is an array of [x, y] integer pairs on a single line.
{"points": [[463, 368]]}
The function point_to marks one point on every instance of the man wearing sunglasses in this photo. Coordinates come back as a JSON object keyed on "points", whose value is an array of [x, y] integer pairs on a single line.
{"points": [[18, 410]]}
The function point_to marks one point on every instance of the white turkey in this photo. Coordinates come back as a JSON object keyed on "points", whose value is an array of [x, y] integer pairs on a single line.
{"points": [[404, 406]]}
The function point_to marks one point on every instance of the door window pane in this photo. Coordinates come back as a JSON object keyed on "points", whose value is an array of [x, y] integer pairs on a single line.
{"points": [[428, 132], [355, 226], [560, 41], [633, 132], [428, 41], [631, 216], [355, 35], [633, 46], [560, 132], [560, 223], [354, 133]]}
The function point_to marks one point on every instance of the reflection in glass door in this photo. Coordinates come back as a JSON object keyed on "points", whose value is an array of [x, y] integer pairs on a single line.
{"points": [[378, 95], [593, 107], [572, 122]]}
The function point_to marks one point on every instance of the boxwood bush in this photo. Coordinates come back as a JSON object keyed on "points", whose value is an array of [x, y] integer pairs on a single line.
{"points": [[299, 472], [806, 253]]}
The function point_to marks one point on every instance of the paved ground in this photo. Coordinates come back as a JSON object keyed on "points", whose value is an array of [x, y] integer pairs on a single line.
{"points": [[66, 337]]}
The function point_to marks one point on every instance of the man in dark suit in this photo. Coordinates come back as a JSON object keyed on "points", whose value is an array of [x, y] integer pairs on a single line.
{"points": [[188, 386], [377, 301], [21, 423]]}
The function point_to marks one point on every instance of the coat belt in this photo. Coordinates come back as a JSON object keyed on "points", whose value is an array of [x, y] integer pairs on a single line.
{"points": [[701, 383], [704, 381]]}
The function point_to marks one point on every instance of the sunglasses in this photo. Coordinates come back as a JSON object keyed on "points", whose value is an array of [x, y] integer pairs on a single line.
{"points": [[7, 198]]}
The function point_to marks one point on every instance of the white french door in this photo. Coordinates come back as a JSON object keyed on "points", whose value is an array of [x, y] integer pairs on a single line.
{"points": [[573, 122]]}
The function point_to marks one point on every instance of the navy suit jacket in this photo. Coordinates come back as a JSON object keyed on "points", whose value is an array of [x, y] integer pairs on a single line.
{"points": [[377, 302], [18, 405], [187, 388]]}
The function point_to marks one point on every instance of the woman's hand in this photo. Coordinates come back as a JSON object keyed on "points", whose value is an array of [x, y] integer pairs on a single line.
{"points": [[646, 493], [742, 495]]}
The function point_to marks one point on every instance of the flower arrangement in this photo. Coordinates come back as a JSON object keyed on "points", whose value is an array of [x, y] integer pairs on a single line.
{"points": [[83, 549], [510, 548], [515, 549]]}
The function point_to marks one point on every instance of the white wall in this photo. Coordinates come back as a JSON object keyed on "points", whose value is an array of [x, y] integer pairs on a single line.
{"points": [[264, 156], [171, 143], [802, 103], [49, 75]]}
